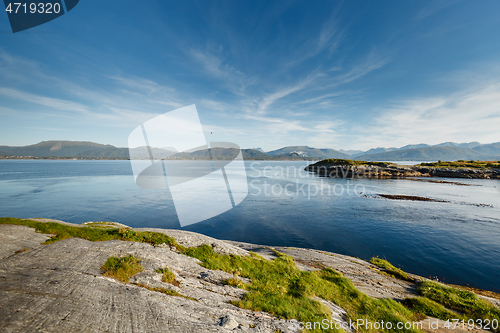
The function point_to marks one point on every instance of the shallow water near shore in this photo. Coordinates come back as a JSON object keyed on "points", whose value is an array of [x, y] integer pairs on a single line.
{"points": [[457, 241]]}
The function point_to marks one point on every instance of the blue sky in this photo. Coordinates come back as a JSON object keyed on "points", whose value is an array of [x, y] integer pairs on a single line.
{"points": [[351, 75]]}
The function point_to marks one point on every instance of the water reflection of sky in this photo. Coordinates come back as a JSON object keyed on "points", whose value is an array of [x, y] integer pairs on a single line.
{"points": [[456, 241]]}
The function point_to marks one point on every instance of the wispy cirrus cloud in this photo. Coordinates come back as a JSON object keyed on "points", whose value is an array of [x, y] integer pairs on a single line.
{"points": [[466, 115], [17, 68], [374, 60], [278, 125], [267, 101], [128, 100], [141, 84], [328, 39], [432, 8], [56, 103], [318, 81], [214, 65]]}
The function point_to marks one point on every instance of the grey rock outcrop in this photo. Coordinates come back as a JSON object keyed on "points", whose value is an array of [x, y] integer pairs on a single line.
{"points": [[59, 287], [399, 171], [16, 238]]}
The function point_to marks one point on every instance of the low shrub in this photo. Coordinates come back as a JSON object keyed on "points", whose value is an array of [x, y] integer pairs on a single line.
{"points": [[168, 276], [122, 268]]}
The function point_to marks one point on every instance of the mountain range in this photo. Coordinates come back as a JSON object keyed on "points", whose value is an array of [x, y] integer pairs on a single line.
{"points": [[447, 151]]}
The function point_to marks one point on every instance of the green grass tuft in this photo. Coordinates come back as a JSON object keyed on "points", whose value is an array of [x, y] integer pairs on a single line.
{"points": [[168, 276], [234, 281], [122, 268], [390, 269], [460, 300], [280, 288], [426, 307]]}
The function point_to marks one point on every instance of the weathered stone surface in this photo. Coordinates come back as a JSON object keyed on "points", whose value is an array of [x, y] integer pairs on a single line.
{"points": [[60, 288], [228, 322], [18, 238]]}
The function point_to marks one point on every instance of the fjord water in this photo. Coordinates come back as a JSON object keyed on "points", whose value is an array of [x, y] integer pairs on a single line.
{"points": [[457, 242]]}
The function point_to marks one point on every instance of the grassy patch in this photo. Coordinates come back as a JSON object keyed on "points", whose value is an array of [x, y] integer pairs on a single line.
{"points": [[463, 164], [88, 232], [390, 269], [168, 276], [426, 307], [280, 288], [102, 225], [460, 300], [234, 281], [122, 268], [477, 291]]}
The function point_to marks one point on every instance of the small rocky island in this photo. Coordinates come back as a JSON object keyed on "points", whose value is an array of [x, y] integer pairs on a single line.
{"points": [[340, 168], [107, 277]]}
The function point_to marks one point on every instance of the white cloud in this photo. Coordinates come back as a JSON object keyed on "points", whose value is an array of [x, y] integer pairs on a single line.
{"points": [[216, 105], [278, 125], [138, 84], [215, 66], [330, 35], [41, 100], [328, 39], [267, 101], [372, 62], [432, 8], [468, 115]]}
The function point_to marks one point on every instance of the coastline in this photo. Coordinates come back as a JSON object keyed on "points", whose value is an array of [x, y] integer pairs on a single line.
{"points": [[389, 170], [44, 274]]}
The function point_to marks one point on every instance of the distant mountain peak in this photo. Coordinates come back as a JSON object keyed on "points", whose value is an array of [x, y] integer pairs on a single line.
{"points": [[473, 144], [306, 151]]}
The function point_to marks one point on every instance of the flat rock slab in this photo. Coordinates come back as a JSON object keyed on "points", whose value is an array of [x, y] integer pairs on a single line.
{"points": [[15, 238], [60, 288]]}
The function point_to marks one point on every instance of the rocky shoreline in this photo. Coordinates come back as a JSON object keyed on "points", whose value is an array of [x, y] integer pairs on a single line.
{"points": [[398, 171], [59, 287]]}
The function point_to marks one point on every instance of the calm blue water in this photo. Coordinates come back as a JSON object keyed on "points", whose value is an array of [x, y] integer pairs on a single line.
{"points": [[456, 242]]}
